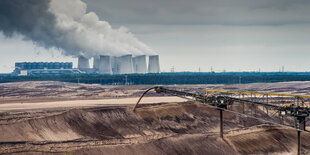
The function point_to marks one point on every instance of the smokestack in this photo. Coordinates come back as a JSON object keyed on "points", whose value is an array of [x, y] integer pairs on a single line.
{"points": [[105, 65], [125, 64], [96, 62], [153, 64], [83, 62], [139, 64]]}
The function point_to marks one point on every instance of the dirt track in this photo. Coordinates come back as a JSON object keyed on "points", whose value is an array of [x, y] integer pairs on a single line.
{"points": [[21, 107]]}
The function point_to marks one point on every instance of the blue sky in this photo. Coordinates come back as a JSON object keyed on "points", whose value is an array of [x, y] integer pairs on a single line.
{"points": [[240, 35]]}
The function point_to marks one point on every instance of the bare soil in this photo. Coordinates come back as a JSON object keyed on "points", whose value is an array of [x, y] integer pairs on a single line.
{"points": [[107, 125]]}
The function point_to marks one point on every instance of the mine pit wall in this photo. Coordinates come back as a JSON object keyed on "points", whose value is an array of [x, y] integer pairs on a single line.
{"points": [[159, 129], [103, 123]]}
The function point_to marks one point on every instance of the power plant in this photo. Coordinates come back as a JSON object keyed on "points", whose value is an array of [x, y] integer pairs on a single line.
{"points": [[44, 68], [102, 64], [125, 64], [113, 51]]}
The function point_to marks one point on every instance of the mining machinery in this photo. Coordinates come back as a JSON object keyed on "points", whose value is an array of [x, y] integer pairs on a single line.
{"points": [[223, 102]]}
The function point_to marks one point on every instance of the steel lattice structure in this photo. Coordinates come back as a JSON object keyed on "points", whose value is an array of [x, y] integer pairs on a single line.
{"points": [[281, 109]]}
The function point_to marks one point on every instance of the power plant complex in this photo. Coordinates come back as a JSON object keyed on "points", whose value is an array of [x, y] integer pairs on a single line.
{"points": [[103, 64], [126, 64]]}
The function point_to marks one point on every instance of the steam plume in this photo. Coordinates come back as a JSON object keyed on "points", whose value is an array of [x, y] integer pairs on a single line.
{"points": [[66, 25]]}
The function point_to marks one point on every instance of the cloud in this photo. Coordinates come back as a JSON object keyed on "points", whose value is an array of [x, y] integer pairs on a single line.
{"points": [[68, 26], [195, 12], [28, 17]]}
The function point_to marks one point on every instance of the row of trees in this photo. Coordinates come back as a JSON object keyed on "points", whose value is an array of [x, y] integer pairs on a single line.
{"points": [[168, 78]]}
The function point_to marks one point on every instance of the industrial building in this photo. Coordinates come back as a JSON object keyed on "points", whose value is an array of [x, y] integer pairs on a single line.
{"points": [[102, 64], [83, 62], [105, 65], [139, 64], [96, 63], [44, 68], [154, 64], [83, 65], [125, 64], [43, 65]]}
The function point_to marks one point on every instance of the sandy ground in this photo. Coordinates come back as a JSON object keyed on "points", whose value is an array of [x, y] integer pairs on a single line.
{"points": [[183, 128], [68, 118], [22, 107]]}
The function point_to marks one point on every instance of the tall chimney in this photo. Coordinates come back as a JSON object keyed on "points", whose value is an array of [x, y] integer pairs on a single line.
{"points": [[83, 62], [139, 64], [153, 64], [105, 65], [125, 64]]}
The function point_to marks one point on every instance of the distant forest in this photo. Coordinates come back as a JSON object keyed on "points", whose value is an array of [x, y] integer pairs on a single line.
{"points": [[169, 78]]}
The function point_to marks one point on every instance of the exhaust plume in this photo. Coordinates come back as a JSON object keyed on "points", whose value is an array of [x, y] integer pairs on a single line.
{"points": [[66, 25]]}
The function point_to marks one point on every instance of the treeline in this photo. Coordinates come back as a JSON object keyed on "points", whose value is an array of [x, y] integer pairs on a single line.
{"points": [[169, 78]]}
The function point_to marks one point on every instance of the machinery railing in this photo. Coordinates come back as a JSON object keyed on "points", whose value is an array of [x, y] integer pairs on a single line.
{"points": [[262, 106]]}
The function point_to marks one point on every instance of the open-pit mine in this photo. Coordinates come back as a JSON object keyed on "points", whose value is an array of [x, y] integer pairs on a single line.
{"points": [[69, 118]]}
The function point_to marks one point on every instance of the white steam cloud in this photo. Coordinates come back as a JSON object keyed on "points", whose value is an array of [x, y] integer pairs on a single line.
{"points": [[66, 25], [90, 36]]}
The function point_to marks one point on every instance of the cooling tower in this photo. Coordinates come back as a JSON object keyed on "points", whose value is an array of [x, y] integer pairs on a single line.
{"points": [[83, 62], [105, 65], [139, 64], [114, 64], [153, 64], [96, 62], [125, 64]]}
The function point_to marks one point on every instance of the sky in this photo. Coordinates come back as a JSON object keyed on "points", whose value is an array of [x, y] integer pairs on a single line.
{"points": [[226, 35]]}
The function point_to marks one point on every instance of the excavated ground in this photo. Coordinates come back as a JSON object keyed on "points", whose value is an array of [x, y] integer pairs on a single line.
{"points": [[162, 128], [183, 128]]}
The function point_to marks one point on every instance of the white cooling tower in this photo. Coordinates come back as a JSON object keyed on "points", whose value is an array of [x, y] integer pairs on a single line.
{"points": [[153, 64], [114, 65], [105, 65], [96, 62], [125, 64], [83, 62], [139, 64]]}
